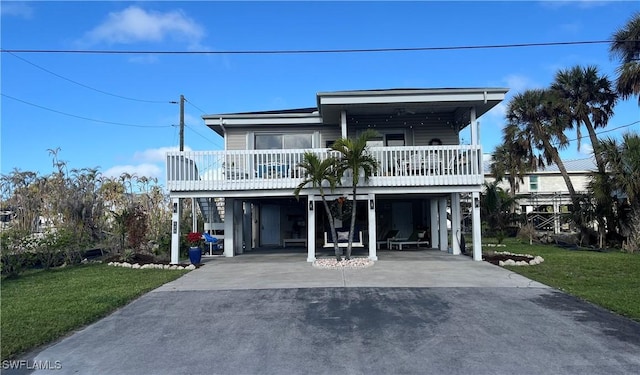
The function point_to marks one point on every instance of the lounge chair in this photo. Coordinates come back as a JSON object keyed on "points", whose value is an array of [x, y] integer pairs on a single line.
{"points": [[416, 238], [384, 240]]}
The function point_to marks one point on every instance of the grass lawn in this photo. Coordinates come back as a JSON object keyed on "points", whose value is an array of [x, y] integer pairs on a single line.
{"points": [[608, 279], [40, 307]]}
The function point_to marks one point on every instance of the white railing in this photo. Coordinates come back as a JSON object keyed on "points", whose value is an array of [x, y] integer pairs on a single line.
{"points": [[279, 169]]}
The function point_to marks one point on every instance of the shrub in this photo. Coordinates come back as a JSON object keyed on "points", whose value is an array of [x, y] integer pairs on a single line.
{"points": [[14, 257]]}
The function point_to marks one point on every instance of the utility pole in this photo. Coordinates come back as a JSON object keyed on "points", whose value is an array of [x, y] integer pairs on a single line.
{"points": [[181, 122]]}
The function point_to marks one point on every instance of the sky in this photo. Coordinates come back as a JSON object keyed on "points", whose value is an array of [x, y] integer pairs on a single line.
{"points": [[118, 112]]}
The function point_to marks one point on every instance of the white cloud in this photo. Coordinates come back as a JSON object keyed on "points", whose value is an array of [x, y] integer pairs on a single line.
{"points": [[16, 9], [155, 155], [518, 83], [145, 169], [586, 149], [135, 24]]}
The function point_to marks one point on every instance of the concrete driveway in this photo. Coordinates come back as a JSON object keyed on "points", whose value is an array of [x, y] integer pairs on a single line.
{"points": [[411, 313]]}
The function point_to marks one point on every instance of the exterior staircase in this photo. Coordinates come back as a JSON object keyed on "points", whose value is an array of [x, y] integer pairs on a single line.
{"points": [[212, 209]]}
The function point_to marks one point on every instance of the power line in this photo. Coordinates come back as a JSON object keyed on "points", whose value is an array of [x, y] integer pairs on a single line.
{"points": [[309, 51], [193, 130], [198, 133], [84, 118], [599, 132], [193, 105], [86, 86]]}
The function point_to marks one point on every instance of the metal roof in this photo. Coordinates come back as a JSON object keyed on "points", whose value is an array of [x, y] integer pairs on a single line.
{"points": [[584, 165]]}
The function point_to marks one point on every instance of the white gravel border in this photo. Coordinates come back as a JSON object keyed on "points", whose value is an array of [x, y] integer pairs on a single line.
{"points": [[510, 262], [152, 266], [333, 264]]}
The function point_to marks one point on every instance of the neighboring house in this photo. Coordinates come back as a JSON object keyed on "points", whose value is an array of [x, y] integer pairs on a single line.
{"points": [[543, 194], [423, 169]]}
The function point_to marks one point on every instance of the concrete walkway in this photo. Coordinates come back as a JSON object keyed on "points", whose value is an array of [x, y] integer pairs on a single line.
{"points": [[411, 313], [415, 269]]}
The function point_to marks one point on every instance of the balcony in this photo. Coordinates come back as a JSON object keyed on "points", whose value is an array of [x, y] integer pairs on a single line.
{"points": [[278, 169]]}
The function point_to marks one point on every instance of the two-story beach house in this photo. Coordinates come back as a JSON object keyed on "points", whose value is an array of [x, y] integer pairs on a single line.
{"points": [[423, 171]]}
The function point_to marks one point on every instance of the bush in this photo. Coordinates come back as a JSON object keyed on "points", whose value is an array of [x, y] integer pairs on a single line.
{"points": [[12, 265], [526, 233], [14, 257]]}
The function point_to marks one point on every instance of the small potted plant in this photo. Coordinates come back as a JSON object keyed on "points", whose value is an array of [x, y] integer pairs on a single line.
{"points": [[194, 239]]}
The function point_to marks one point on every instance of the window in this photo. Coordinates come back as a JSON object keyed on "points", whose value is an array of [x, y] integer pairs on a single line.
{"points": [[533, 183], [282, 141], [394, 139], [297, 141]]}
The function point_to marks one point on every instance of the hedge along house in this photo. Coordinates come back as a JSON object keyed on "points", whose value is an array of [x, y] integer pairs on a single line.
{"points": [[423, 170]]}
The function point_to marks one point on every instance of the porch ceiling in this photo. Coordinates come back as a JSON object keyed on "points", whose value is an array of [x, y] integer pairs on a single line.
{"points": [[410, 102]]}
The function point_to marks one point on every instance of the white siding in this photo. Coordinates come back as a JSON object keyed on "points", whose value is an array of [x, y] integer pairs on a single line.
{"points": [[547, 183], [327, 135], [236, 140], [423, 134]]}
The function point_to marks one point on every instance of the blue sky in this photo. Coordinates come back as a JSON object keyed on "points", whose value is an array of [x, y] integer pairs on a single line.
{"points": [[50, 100]]}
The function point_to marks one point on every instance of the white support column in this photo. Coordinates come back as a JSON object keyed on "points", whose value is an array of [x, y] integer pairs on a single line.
{"points": [[556, 217], [228, 226], [455, 223], [246, 226], [477, 239], [343, 123], [435, 240], [194, 215], [373, 255], [238, 219], [444, 241], [311, 229], [474, 126], [175, 231]]}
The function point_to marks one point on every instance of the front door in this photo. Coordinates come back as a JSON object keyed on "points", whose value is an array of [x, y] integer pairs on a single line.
{"points": [[269, 225]]}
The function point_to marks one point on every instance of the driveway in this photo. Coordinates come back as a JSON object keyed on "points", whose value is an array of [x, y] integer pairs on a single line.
{"points": [[411, 313]]}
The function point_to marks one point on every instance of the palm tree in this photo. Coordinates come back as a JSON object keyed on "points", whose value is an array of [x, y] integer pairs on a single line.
{"points": [[626, 48], [623, 162], [589, 99], [355, 157], [510, 161], [316, 173], [537, 122], [495, 205]]}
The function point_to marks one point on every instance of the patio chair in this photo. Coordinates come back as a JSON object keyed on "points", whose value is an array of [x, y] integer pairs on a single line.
{"points": [[211, 241], [416, 238]]}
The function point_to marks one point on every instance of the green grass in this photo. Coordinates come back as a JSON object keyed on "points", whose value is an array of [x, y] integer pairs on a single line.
{"points": [[608, 279], [40, 307]]}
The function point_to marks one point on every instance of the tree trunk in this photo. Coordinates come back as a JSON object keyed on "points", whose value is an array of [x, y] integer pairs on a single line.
{"points": [[594, 144], [352, 227], [332, 226], [609, 223]]}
